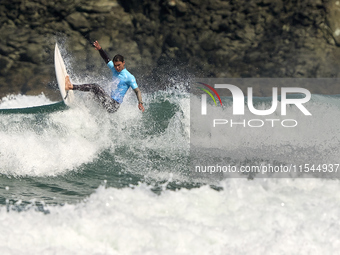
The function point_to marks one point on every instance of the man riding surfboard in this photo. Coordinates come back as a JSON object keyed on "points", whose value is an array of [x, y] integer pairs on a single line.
{"points": [[126, 80]]}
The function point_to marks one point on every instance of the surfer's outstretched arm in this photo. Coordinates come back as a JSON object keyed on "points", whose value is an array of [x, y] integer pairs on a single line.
{"points": [[101, 52], [139, 98]]}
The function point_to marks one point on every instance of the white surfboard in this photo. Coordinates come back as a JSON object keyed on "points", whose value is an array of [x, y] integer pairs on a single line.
{"points": [[60, 71]]}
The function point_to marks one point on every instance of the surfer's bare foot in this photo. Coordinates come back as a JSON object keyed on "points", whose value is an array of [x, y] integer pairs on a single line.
{"points": [[68, 84]]}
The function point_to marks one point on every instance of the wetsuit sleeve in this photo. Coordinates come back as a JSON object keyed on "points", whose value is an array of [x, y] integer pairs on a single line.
{"points": [[79, 86], [104, 56]]}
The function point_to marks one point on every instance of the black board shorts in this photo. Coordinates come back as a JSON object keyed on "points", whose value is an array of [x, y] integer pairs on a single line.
{"points": [[107, 102]]}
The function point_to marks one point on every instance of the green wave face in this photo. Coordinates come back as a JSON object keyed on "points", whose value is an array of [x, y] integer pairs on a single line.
{"points": [[60, 106]]}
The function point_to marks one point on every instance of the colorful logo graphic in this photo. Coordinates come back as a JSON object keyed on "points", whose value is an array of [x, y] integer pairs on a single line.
{"points": [[239, 99], [208, 92]]}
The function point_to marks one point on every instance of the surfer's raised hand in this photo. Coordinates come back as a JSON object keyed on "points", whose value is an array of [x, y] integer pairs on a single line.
{"points": [[96, 45], [141, 107]]}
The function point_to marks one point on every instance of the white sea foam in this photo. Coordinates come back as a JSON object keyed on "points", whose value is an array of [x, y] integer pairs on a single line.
{"points": [[263, 216], [62, 141], [22, 101], [48, 146], [59, 142]]}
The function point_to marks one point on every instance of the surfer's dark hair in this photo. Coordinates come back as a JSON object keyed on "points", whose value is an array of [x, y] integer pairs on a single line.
{"points": [[118, 58]]}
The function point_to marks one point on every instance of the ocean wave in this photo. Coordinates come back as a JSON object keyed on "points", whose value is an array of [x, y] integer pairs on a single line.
{"points": [[263, 216]]}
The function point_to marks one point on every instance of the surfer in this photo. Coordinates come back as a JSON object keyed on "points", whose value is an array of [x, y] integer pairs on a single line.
{"points": [[126, 80]]}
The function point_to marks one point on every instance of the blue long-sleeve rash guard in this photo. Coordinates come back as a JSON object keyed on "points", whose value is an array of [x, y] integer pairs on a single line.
{"points": [[126, 79]]}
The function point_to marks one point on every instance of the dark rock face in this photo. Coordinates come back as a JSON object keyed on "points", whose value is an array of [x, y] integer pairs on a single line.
{"points": [[161, 38]]}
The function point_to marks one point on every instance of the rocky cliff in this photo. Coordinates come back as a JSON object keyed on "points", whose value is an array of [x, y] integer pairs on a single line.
{"points": [[163, 38]]}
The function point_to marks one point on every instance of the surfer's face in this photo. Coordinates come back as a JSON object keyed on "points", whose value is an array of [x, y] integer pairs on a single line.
{"points": [[119, 65]]}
